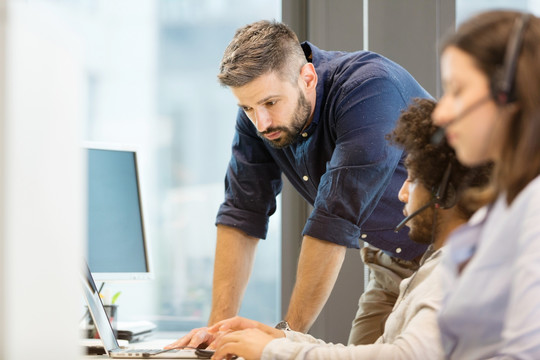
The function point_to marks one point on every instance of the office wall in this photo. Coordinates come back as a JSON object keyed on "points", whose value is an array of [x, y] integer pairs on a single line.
{"points": [[408, 32], [404, 31], [41, 186]]}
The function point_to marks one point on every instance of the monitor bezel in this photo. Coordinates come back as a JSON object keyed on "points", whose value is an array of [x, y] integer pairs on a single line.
{"points": [[123, 276]]}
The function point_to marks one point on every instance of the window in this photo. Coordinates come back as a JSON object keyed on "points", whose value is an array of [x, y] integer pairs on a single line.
{"points": [[466, 8], [149, 70]]}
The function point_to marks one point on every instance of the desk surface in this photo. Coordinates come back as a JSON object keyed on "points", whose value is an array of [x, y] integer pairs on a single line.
{"points": [[155, 341]]}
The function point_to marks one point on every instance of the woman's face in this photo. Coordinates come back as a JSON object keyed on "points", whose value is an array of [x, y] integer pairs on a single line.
{"points": [[471, 116]]}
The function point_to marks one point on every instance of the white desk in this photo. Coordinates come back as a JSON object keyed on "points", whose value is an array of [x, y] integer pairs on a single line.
{"points": [[155, 341]]}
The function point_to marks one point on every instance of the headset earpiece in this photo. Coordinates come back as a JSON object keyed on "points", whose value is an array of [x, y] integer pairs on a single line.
{"points": [[503, 81], [498, 94], [445, 196], [448, 198]]}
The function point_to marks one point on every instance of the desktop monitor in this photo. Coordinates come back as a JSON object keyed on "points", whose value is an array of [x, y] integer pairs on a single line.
{"points": [[117, 248]]}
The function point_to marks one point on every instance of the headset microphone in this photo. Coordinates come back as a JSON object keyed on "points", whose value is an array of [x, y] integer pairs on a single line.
{"points": [[408, 218], [438, 136], [502, 84]]}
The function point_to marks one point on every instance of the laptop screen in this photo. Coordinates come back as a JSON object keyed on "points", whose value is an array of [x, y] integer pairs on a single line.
{"points": [[97, 311]]}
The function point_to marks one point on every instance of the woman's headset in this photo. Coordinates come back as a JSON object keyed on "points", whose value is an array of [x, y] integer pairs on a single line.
{"points": [[503, 82]]}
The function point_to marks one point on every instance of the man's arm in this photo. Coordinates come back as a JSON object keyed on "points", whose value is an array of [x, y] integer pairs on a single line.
{"points": [[318, 268], [235, 252]]}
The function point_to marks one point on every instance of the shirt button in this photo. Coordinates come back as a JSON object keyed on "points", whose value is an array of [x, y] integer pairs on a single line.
{"points": [[304, 134], [363, 236], [398, 250], [305, 178]]}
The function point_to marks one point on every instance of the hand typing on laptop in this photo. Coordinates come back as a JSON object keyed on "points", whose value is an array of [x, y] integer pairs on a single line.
{"points": [[242, 337], [235, 336], [197, 338], [239, 323]]}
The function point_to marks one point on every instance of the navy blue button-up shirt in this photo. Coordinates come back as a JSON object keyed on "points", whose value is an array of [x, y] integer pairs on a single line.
{"points": [[341, 164]]}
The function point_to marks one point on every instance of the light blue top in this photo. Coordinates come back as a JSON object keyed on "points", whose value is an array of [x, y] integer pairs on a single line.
{"points": [[492, 309]]}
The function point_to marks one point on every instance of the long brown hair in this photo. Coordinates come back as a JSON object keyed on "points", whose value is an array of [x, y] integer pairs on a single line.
{"points": [[485, 37]]}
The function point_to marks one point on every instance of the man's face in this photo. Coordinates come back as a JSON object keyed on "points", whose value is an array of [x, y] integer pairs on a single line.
{"points": [[415, 195], [278, 109]]}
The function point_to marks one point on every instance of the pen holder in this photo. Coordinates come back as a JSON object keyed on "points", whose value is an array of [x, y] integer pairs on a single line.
{"points": [[112, 314]]}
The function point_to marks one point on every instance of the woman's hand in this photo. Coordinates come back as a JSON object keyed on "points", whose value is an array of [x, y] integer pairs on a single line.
{"points": [[248, 344], [196, 338], [240, 323]]}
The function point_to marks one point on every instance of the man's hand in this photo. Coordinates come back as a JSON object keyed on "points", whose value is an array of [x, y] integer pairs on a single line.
{"points": [[239, 323], [248, 344], [196, 338]]}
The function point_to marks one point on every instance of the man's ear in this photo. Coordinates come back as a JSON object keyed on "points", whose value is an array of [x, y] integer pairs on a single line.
{"points": [[308, 76]]}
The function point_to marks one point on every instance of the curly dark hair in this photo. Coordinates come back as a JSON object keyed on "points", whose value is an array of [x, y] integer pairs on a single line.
{"points": [[427, 162]]}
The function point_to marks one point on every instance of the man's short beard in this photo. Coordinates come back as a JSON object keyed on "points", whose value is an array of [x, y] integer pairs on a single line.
{"points": [[421, 227], [290, 134]]}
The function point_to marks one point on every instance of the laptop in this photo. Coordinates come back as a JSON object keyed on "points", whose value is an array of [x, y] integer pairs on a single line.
{"points": [[108, 338]]}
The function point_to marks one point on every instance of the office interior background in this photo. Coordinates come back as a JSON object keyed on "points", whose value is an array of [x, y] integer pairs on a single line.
{"points": [[143, 74]]}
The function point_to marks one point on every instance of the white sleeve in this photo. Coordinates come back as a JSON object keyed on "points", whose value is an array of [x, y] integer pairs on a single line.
{"points": [[421, 340], [301, 337], [411, 332]]}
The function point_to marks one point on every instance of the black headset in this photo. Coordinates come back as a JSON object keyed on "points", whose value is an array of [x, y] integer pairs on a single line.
{"points": [[443, 197], [503, 81], [502, 91]]}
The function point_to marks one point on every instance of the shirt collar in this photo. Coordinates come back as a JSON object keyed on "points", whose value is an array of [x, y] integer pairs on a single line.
{"points": [[313, 55]]}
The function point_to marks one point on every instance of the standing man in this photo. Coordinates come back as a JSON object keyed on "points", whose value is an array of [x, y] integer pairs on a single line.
{"points": [[320, 118]]}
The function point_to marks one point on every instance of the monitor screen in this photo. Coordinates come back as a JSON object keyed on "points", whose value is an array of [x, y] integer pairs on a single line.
{"points": [[116, 238]]}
